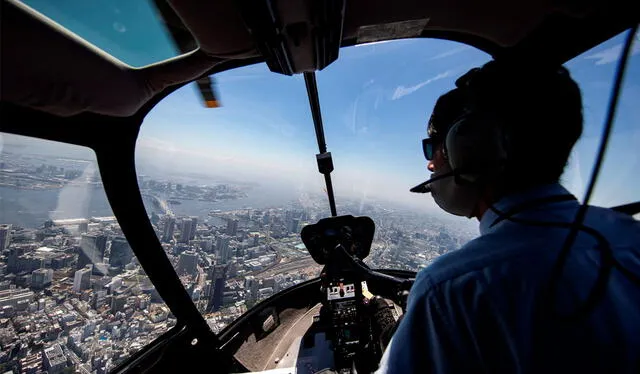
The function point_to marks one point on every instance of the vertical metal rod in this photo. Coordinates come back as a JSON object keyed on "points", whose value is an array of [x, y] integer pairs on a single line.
{"points": [[314, 103], [332, 202]]}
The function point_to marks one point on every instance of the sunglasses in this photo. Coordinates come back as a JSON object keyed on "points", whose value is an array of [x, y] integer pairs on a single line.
{"points": [[429, 147]]}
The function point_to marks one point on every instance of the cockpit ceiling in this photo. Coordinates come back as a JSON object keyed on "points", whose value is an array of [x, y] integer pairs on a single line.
{"points": [[48, 68]]}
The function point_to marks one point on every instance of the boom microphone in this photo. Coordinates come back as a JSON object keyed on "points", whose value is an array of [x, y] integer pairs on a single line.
{"points": [[424, 186]]}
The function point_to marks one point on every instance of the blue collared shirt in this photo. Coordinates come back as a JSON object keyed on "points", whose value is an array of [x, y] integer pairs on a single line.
{"points": [[474, 309]]}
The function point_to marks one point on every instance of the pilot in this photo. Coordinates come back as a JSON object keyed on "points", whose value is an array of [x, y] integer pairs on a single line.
{"points": [[508, 301]]}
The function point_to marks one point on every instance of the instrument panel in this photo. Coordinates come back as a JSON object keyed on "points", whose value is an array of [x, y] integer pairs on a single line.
{"points": [[355, 234]]}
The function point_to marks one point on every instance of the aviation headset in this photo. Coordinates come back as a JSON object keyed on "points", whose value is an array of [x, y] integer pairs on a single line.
{"points": [[478, 144]]}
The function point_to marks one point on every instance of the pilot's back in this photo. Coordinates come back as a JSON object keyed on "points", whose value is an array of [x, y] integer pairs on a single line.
{"points": [[483, 307]]}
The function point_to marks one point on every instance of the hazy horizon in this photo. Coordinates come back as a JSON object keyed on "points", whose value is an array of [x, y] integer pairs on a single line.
{"points": [[375, 103]]}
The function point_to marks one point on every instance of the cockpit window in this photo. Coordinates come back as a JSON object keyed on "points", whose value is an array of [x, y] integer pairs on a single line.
{"points": [[131, 31], [376, 101], [73, 297], [228, 189], [594, 71]]}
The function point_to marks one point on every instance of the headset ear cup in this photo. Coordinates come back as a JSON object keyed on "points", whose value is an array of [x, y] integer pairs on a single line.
{"points": [[476, 149]]}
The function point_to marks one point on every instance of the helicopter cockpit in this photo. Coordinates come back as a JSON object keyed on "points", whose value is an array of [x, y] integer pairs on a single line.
{"points": [[224, 186]]}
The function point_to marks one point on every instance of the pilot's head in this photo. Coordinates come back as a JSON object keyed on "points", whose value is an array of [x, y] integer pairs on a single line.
{"points": [[503, 129]]}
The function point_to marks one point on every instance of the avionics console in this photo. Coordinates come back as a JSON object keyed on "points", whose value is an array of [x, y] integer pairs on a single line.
{"points": [[342, 316]]}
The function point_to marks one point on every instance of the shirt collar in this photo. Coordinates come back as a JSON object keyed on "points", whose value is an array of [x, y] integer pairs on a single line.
{"points": [[508, 202]]}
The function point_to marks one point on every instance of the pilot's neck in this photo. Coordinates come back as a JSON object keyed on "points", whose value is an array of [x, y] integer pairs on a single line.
{"points": [[481, 209]]}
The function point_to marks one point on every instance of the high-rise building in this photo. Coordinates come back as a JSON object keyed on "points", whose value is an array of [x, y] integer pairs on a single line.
{"points": [[121, 253], [251, 285], [29, 262], [222, 248], [185, 230], [293, 226], [206, 244], [169, 227], [288, 215], [83, 227], [218, 279], [100, 268], [12, 260], [82, 279], [54, 360], [118, 303], [5, 236], [41, 278], [232, 227], [188, 263], [92, 248], [194, 227], [116, 282]]}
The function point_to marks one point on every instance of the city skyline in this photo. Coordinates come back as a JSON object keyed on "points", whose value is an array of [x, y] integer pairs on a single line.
{"points": [[375, 103]]}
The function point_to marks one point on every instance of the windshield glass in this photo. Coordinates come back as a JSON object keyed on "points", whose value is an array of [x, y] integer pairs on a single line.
{"points": [[620, 171], [376, 100], [73, 297], [229, 188]]}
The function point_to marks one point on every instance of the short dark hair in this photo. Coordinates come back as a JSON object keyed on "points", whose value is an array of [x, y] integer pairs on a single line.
{"points": [[539, 108]]}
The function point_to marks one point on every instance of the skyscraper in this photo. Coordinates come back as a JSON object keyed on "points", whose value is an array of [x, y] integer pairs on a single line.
{"points": [[118, 303], [12, 260], [41, 278], [82, 279], [218, 279], [188, 263], [92, 249], [293, 226], [232, 227], [121, 253], [194, 227], [251, 286], [5, 236], [185, 230], [169, 227], [222, 249]]}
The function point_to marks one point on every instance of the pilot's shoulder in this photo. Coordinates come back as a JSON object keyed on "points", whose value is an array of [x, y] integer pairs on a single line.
{"points": [[610, 220], [477, 254]]}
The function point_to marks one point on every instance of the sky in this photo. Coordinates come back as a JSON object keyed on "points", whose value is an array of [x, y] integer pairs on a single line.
{"points": [[375, 100], [375, 103]]}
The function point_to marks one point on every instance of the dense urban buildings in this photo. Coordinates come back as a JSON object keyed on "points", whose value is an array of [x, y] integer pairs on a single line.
{"points": [[73, 297]]}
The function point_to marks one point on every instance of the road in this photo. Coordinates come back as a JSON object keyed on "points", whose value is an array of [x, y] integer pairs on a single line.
{"points": [[288, 267]]}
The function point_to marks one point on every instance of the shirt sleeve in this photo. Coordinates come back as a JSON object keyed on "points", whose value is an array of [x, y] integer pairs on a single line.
{"points": [[425, 341]]}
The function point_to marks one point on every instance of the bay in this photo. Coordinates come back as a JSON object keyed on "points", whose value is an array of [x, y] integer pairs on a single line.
{"points": [[31, 208]]}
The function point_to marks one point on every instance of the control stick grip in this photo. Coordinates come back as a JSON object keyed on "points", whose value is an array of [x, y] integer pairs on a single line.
{"points": [[402, 285]]}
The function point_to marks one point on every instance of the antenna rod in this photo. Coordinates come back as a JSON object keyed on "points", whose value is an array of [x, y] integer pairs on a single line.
{"points": [[325, 163]]}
